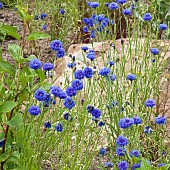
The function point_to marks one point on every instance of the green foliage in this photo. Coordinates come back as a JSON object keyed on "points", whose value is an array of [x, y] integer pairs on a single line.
{"points": [[38, 36]]}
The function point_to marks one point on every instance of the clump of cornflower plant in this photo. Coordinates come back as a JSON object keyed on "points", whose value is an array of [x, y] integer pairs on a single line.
{"points": [[88, 72], [120, 151], [113, 6], [154, 51], [127, 11], [69, 103], [40, 95], [79, 74], [59, 127], [102, 151], [104, 71], [47, 124], [131, 77], [91, 55], [137, 120]]}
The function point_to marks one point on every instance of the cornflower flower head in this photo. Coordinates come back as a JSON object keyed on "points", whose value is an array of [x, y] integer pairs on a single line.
{"points": [[59, 127], [113, 6], [122, 141], [91, 55], [69, 103], [147, 17], [88, 72], [160, 120], [123, 165], [150, 103], [126, 122], [40, 95], [154, 51], [56, 45], [135, 153], [79, 74], [34, 110], [163, 26], [104, 71], [35, 64], [71, 91], [48, 66], [120, 151], [47, 124], [77, 84]]}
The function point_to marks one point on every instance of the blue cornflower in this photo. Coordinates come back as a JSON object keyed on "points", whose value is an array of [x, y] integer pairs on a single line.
{"points": [[131, 77], [43, 16], [79, 74], [104, 71], [133, 6], [71, 91], [62, 11], [85, 29], [161, 164], [109, 164], [153, 60], [147, 17], [56, 45], [56, 91], [84, 48], [126, 122], [123, 165], [40, 95], [135, 153], [154, 51], [2, 143], [35, 64], [126, 11], [163, 26], [102, 151], [54, 102], [86, 21], [77, 84], [111, 63], [34, 110], [44, 26], [92, 35], [112, 22], [15, 9], [100, 18], [137, 120], [120, 151], [48, 66], [91, 23], [114, 103], [60, 53], [101, 123], [69, 103], [1, 5], [96, 113], [67, 116], [71, 65], [113, 6], [88, 72], [112, 77], [150, 103], [160, 120], [121, 141], [94, 16], [121, 1], [136, 166], [59, 127], [90, 108], [147, 130], [94, 4], [36, 17], [107, 4], [47, 124], [91, 55]]}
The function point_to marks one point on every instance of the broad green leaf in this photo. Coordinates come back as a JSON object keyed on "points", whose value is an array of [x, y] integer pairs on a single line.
{"points": [[3, 157], [7, 67], [23, 13], [38, 36], [7, 106], [15, 51], [41, 74], [10, 30]]}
